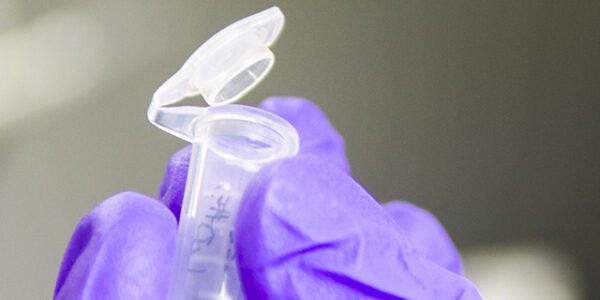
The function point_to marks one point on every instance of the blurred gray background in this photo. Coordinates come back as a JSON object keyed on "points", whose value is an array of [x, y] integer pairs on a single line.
{"points": [[484, 113]]}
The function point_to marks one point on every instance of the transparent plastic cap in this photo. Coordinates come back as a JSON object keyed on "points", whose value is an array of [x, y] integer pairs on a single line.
{"points": [[227, 65]]}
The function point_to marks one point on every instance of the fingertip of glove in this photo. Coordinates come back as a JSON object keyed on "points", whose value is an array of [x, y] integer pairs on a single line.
{"points": [[300, 189], [122, 247], [317, 136], [286, 105], [427, 234], [172, 186], [130, 207]]}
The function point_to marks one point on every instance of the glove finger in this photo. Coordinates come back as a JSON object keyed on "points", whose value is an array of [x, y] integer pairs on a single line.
{"points": [[317, 138], [122, 249], [317, 135], [426, 234], [172, 187], [307, 230]]}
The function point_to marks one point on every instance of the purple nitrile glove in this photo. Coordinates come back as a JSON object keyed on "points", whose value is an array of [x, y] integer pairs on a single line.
{"points": [[306, 230]]}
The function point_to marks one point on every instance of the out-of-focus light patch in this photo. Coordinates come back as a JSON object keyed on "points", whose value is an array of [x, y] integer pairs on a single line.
{"points": [[49, 62], [523, 272]]}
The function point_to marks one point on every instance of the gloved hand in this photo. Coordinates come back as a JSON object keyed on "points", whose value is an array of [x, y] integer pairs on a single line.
{"points": [[306, 230]]}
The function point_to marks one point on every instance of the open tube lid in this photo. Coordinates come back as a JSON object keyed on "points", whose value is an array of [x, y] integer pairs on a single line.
{"points": [[228, 65], [222, 70]]}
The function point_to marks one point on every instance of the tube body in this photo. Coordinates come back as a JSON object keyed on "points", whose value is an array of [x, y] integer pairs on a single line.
{"points": [[205, 260]]}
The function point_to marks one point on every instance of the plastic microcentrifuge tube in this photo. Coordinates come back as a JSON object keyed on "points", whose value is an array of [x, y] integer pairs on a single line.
{"points": [[230, 144]]}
